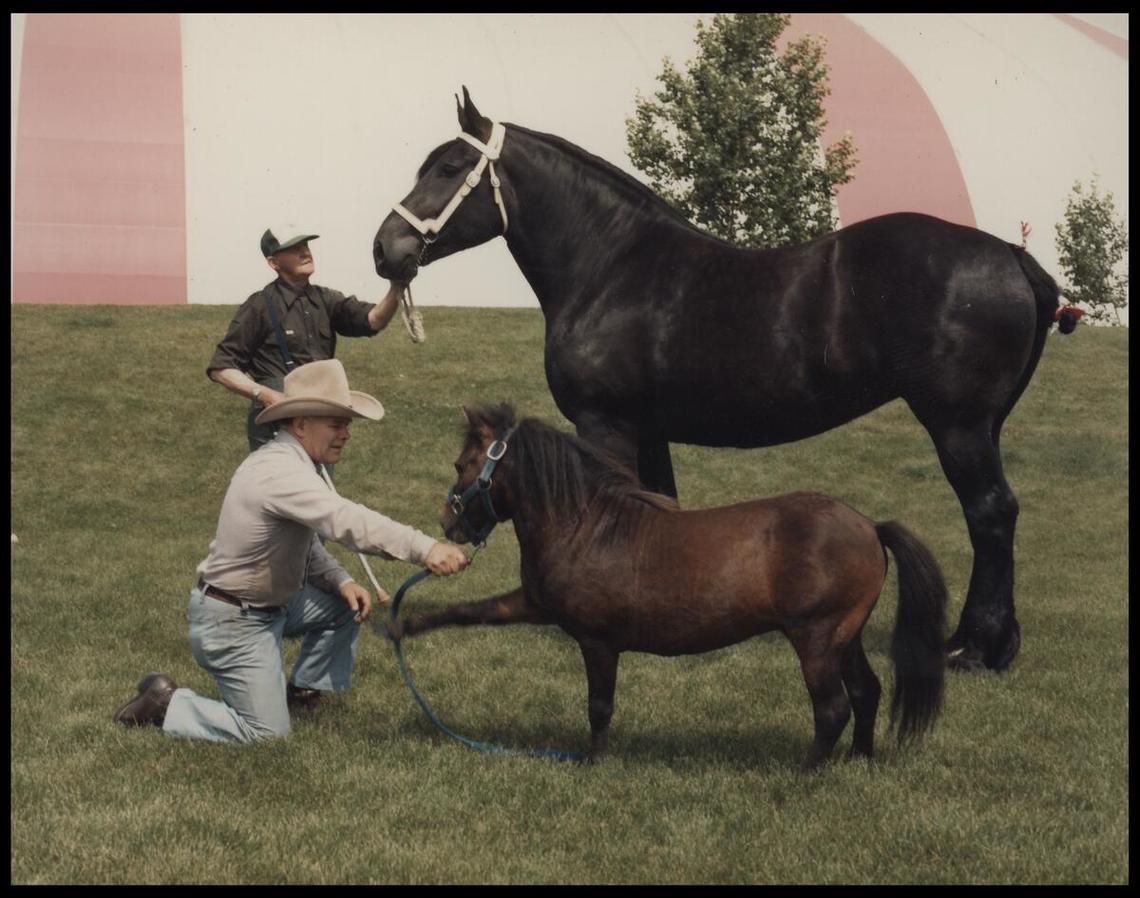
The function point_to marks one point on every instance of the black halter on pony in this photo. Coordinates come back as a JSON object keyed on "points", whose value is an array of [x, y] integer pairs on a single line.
{"points": [[481, 487]]}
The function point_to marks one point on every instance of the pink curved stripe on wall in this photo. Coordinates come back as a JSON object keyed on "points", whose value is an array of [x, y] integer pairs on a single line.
{"points": [[1117, 45], [100, 202], [906, 162]]}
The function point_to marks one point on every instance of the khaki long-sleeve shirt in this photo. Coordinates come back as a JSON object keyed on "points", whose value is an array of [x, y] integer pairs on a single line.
{"points": [[266, 546]]}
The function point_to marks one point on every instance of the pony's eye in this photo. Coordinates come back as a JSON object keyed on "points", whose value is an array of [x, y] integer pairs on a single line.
{"points": [[448, 170]]}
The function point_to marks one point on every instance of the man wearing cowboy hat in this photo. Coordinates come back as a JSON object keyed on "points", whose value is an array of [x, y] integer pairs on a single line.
{"points": [[288, 323], [267, 575]]}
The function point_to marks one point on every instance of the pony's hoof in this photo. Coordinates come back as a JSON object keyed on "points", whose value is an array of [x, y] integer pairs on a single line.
{"points": [[394, 629]]}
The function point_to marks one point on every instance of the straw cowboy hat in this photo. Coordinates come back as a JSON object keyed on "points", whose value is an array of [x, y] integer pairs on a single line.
{"points": [[321, 389]]}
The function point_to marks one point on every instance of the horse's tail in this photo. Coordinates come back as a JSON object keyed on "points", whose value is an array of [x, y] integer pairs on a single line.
{"points": [[1048, 297], [917, 647], [1047, 293]]}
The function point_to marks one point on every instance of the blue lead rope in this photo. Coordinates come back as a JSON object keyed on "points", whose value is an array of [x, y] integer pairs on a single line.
{"points": [[431, 715]]}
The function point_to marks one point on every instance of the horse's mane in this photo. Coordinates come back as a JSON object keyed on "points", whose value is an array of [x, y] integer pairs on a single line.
{"points": [[621, 182], [563, 475]]}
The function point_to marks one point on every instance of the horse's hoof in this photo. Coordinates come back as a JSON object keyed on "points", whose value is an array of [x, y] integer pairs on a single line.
{"points": [[999, 648], [965, 659], [393, 630]]}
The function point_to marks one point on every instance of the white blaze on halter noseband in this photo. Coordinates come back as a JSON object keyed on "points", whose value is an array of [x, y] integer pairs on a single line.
{"points": [[429, 229]]}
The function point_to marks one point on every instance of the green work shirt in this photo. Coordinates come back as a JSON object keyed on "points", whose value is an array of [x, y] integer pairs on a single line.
{"points": [[310, 319]]}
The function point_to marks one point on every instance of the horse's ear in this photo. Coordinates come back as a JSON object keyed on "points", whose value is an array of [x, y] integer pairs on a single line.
{"points": [[478, 126], [510, 419], [476, 422]]}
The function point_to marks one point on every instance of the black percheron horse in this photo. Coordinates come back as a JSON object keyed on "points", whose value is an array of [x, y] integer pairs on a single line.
{"points": [[657, 332]]}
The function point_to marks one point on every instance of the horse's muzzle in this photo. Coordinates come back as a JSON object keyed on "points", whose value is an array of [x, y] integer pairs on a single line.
{"points": [[452, 529], [403, 274], [396, 255]]}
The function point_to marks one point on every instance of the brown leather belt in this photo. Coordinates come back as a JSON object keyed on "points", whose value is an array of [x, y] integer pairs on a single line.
{"points": [[214, 593]]}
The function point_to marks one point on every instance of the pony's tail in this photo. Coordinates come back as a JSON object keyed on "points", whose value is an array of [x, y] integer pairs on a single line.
{"points": [[917, 647]]}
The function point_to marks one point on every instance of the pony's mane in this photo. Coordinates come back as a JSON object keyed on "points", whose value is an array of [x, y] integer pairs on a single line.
{"points": [[562, 474]]}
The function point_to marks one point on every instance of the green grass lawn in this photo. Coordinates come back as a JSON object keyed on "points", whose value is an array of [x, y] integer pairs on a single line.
{"points": [[121, 453]]}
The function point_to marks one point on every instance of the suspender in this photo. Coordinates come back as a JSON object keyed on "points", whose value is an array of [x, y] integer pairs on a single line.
{"points": [[281, 345]]}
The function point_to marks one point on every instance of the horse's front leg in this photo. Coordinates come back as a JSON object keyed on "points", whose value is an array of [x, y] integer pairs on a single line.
{"points": [[646, 454], [614, 435], [509, 608], [655, 466], [601, 677]]}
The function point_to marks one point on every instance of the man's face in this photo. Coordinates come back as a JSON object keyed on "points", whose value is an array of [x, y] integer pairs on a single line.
{"points": [[323, 438], [295, 263]]}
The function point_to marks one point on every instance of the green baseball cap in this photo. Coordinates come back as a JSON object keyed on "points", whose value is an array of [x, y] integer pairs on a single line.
{"points": [[270, 245]]}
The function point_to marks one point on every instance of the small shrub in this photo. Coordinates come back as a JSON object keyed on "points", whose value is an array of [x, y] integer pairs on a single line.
{"points": [[1091, 243]]}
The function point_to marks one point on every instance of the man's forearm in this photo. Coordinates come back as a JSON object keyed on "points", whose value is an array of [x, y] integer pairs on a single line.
{"points": [[235, 381], [381, 313]]}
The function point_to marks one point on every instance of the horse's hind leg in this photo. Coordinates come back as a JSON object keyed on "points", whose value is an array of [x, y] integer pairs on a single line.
{"points": [[821, 664], [601, 677], [988, 634], [864, 690]]}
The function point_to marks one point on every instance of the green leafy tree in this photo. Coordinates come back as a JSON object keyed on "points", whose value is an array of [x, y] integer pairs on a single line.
{"points": [[733, 142], [1091, 242]]}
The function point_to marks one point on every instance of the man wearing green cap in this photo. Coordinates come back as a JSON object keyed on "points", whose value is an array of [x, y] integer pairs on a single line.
{"points": [[288, 323]]}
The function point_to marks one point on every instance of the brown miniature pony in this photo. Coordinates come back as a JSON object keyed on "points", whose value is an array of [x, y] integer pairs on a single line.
{"points": [[623, 569]]}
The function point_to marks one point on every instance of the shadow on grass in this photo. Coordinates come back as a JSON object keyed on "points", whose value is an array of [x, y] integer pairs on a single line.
{"points": [[766, 749]]}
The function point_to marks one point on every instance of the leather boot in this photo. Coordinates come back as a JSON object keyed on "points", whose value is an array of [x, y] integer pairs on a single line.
{"points": [[301, 699], [148, 708]]}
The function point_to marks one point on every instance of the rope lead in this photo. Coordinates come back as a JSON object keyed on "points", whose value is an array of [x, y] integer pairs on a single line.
{"points": [[491, 748]]}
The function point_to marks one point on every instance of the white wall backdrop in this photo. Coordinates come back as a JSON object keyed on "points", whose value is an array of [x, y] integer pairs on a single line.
{"points": [[1030, 106], [321, 120]]}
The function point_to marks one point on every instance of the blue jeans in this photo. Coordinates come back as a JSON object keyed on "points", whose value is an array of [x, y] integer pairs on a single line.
{"points": [[241, 649], [260, 434]]}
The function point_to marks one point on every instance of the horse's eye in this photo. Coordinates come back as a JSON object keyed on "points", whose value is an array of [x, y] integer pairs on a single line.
{"points": [[448, 170]]}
